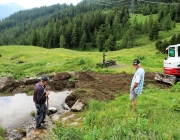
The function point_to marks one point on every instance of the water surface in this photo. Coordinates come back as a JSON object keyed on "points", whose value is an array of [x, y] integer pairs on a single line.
{"points": [[15, 110]]}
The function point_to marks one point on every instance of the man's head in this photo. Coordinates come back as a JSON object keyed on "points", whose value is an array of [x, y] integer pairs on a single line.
{"points": [[136, 64], [44, 80]]}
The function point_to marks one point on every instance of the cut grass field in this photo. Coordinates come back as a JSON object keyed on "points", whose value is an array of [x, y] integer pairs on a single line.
{"points": [[22, 61]]}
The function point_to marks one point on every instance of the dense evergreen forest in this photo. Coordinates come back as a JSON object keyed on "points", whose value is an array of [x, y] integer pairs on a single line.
{"points": [[98, 24]]}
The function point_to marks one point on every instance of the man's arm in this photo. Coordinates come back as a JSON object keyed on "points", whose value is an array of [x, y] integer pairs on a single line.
{"points": [[137, 80], [40, 95], [135, 85]]}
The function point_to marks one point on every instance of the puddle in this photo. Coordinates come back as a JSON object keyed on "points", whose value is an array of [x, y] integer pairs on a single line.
{"points": [[15, 110]]}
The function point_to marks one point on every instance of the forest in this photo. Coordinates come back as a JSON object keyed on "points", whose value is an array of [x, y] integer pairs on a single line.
{"points": [[90, 24]]}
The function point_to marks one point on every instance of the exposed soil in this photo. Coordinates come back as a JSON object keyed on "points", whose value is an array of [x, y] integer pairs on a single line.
{"points": [[105, 87]]}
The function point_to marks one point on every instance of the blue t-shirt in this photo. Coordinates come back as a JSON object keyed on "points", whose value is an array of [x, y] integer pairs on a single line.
{"points": [[139, 88]]}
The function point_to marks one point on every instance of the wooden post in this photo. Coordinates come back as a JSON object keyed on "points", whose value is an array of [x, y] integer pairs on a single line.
{"points": [[104, 59]]}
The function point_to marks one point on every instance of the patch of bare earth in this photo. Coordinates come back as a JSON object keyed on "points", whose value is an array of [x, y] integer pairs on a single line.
{"points": [[105, 87]]}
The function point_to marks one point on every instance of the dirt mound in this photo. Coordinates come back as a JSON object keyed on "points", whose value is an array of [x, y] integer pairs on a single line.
{"points": [[106, 86]]}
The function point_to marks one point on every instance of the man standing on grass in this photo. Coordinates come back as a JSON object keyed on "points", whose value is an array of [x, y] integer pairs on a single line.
{"points": [[40, 96], [137, 82]]}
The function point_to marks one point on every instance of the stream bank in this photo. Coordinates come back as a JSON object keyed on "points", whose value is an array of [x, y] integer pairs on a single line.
{"points": [[86, 86]]}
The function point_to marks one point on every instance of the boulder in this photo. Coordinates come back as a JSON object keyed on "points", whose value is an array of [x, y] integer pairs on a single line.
{"points": [[78, 106], [52, 110], [71, 99], [6, 83], [31, 80], [58, 85], [61, 76]]}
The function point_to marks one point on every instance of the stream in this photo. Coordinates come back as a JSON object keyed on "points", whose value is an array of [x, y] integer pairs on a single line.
{"points": [[15, 109]]}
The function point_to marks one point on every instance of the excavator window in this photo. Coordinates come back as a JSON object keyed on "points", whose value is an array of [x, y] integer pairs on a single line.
{"points": [[179, 51], [172, 52]]}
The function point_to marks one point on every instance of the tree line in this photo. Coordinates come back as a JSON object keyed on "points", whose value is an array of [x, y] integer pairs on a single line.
{"points": [[86, 25]]}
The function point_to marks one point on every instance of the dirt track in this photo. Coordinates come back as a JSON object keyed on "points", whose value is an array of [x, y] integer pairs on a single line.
{"points": [[105, 86]]}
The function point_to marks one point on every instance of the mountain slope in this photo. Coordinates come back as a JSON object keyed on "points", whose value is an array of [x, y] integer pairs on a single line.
{"points": [[8, 9]]}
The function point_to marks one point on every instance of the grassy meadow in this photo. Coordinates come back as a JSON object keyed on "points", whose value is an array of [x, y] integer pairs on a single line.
{"points": [[155, 118], [158, 110], [22, 61]]}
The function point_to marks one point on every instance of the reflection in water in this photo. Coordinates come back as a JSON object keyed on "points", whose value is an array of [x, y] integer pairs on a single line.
{"points": [[15, 110]]}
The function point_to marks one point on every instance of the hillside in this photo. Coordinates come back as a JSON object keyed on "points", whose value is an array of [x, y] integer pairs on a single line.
{"points": [[8, 9], [36, 61], [89, 25]]}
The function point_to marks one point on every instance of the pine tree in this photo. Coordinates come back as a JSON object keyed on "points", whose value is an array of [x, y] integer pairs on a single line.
{"points": [[100, 41], [35, 38], [62, 41], [128, 38], [167, 23], [178, 39], [173, 40], [83, 41], [74, 36], [145, 27], [154, 31], [109, 44]]}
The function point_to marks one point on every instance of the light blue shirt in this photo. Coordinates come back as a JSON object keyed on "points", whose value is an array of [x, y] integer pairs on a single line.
{"points": [[139, 88]]}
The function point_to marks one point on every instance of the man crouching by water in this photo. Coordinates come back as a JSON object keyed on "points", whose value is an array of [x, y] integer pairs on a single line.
{"points": [[40, 96], [137, 82]]}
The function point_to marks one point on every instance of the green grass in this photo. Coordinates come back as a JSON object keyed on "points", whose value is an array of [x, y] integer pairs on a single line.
{"points": [[2, 132], [39, 60], [141, 18], [155, 118], [143, 39]]}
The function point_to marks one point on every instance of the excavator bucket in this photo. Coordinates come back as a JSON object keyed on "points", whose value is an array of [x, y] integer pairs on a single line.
{"points": [[165, 78]]}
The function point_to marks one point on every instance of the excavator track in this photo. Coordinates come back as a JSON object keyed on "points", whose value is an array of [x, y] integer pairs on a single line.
{"points": [[165, 78]]}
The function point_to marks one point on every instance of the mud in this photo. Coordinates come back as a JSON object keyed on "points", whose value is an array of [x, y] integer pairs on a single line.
{"points": [[105, 87]]}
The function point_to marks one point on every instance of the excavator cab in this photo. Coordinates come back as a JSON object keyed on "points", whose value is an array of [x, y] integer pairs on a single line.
{"points": [[171, 66], [172, 63]]}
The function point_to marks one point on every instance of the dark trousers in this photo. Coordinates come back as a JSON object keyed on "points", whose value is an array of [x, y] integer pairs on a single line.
{"points": [[41, 110]]}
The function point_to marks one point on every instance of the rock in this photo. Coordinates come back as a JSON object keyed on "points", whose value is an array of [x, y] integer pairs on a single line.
{"points": [[12, 134], [71, 99], [83, 76], [52, 110], [78, 106], [78, 119], [55, 117], [59, 85], [31, 80], [70, 85], [65, 106], [74, 124], [6, 83], [61, 76], [67, 118]]}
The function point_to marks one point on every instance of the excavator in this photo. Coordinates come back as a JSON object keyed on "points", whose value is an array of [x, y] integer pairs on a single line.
{"points": [[171, 66]]}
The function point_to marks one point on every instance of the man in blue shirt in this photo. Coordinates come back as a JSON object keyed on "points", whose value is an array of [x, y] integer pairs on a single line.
{"points": [[137, 82]]}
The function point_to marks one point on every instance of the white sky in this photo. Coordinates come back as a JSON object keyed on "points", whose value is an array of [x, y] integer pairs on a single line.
{"points": [[37, 3]]}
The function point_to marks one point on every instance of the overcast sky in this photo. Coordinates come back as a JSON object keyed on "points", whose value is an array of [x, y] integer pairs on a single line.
{"points": [[37, 3]]}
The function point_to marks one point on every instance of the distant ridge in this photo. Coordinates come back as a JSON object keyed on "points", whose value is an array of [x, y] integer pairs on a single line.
{"points": [[8, 9]]}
